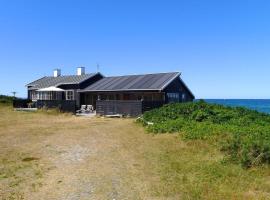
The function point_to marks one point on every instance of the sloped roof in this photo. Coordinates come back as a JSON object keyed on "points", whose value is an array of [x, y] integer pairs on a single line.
{"points": [[133, 82], [49, 81]]}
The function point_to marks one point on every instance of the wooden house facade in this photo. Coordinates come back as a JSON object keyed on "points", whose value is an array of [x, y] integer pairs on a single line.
{"points": [[127, 95]]}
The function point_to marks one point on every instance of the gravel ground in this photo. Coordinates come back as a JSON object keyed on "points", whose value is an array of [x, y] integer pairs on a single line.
{"points": [[77, 158]]}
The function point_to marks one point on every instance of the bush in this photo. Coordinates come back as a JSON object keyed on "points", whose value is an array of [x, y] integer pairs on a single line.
{"points": [[6, 99], [243, 134]]}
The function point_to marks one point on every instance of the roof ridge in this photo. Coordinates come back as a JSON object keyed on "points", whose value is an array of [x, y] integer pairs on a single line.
{"points": [[142, 74], [71, 75], [61, 80], [154, 81]]}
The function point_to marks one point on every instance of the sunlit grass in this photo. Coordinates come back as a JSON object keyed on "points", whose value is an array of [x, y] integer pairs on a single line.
{"points": [[195, 170]]}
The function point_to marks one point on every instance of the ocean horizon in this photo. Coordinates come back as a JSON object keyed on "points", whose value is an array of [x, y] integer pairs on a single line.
{"points": [[261, 105]]}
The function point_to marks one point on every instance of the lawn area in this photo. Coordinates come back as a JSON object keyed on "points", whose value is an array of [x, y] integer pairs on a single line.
{"points": [[46, 155]]}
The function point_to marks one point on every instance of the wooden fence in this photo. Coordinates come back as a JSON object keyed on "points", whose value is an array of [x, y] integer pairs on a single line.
{"points": [[21, 103], [125, 107], [62, 105]]}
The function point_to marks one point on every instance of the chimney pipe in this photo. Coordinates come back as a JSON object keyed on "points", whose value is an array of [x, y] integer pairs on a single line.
{"points": [[80, 71], [56, 72]]}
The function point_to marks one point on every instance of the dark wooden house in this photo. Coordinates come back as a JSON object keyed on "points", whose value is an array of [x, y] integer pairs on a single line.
{"points": [[134, 94], [127, 95]]}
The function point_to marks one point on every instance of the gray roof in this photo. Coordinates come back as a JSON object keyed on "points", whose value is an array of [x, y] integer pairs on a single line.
{"points": [[133, 82], [49, 81]]}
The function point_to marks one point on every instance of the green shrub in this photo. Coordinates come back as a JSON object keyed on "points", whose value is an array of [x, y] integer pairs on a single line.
{"points": [[243, 134], [6, 99]]}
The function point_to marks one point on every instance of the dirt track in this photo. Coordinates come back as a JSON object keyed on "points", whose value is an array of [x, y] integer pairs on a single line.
{"points": [[69, 158]]}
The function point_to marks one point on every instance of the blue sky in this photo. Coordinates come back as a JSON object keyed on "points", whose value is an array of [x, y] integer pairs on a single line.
{"points": [[221, 47]]}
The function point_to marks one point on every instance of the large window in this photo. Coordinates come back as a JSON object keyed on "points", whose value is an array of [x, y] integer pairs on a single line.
{"points": [[69, 95], [173, 97], [44, 96]]}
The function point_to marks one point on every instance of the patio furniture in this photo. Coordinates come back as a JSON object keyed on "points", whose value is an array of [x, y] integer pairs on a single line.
{"points": [[89, 108], [29, 105], [82, 110]]}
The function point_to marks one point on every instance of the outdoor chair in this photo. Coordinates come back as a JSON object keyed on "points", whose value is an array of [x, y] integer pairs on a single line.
{"points": [[82, 110], [89, 108], [29, 105]]}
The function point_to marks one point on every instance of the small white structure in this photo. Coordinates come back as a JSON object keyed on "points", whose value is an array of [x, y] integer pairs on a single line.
{"points": [[51, 89], [49, 93], [56, 72], [80, 71]]}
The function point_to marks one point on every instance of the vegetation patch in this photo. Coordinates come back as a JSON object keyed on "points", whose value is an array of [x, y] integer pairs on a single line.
{"points": [[28, 159], [17, 173], [6, 99], [243, 134]]}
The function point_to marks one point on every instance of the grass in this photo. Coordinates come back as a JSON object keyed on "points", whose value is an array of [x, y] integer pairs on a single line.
{"points": [[244, 135], [195, 170], [40, 159]]}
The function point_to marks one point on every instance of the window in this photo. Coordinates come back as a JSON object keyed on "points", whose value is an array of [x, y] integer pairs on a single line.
{"points": [[183, 97], [45, 95], [34, 95], [69, 95], [173, 97], [49, 96]]}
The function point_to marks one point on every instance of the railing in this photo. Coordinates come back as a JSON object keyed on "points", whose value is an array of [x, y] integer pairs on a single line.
{"points": [[125, 107], [22, 103], [62, 105]]}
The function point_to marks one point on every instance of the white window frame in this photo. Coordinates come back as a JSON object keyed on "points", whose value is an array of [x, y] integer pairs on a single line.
{"points": [[67, 96]]}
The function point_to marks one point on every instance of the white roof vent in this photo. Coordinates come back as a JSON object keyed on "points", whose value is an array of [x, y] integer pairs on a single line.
{"points": [[56, 72], [80, 71]]}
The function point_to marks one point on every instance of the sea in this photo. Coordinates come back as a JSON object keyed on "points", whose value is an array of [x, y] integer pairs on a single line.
{"points": [[261, 105]]}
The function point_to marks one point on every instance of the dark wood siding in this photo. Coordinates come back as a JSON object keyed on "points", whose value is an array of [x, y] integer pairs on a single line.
{"points": [[149, 105], [90, 98], [90, 81], [177, 86], [69, 87]]}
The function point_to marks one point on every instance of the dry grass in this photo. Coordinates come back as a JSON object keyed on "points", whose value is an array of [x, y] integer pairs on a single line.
{"points": [[56, 156]]}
